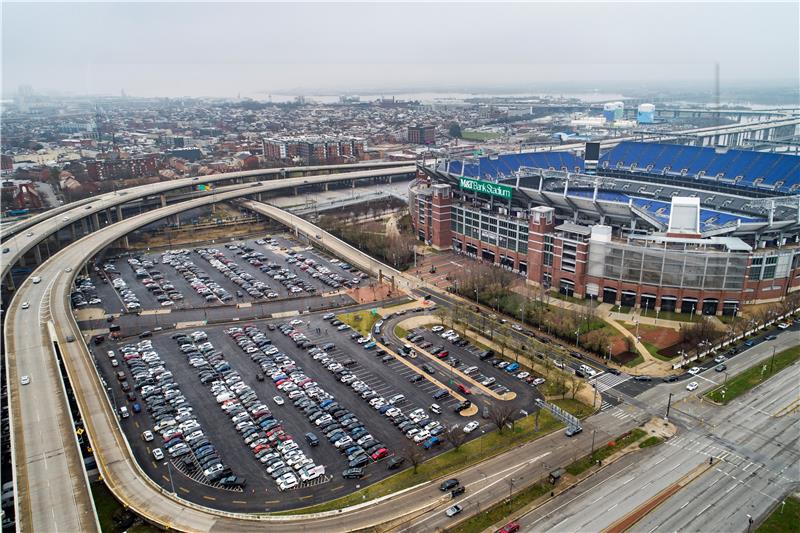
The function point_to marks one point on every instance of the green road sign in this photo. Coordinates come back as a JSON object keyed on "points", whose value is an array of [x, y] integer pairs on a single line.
{"points": [[485, 187]]}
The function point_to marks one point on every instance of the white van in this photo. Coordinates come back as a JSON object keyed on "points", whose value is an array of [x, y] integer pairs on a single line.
{"points": [[434, 408], [123, 411]]}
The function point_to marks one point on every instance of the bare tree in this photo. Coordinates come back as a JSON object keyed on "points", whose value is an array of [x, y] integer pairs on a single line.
{"points": [[500, 414], [414, 455], [455, 436], [574, 385]]}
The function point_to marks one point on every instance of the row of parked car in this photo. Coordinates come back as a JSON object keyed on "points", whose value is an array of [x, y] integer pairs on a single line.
{"points": [[182, 435], [338, 424], [261, 432], [329, 278], [231, 270], [416, 425], [153, 280], [196, 277], [129, 298], [84, 294]]}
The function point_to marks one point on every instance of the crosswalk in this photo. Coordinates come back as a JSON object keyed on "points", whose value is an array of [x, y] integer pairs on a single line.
{"points": [[606, 381]]}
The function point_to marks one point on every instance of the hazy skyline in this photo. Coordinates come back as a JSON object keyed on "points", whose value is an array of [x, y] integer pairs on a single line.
{"points": [[254, 49]]}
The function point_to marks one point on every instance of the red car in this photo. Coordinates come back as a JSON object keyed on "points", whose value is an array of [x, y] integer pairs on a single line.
{"points": [[511, 527], [464, 389], [380, 454]]}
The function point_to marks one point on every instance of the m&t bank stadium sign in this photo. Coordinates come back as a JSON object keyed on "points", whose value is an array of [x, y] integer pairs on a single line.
{"points": [[485, 187]]}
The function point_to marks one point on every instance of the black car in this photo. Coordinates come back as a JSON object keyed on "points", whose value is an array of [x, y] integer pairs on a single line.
{"points": [[670, 379], [353, 473], [449, 484], [614, 371], [395, 462], [415, 378], [359, 461]]}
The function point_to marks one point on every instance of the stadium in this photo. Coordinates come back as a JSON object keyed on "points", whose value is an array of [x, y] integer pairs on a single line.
{"points": [[667, 227]]}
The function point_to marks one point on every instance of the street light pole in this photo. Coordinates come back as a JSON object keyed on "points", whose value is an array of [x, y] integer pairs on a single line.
{"points": [[669, 403], [772, 361]]}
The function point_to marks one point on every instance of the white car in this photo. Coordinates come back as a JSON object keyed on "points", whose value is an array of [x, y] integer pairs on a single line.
{"points": [[472, 426], [147, 436], [158, 454], [25, 380], [522, 375], [694, 370], [437, 329], [278, 399], [25, 305], [691, 386]]}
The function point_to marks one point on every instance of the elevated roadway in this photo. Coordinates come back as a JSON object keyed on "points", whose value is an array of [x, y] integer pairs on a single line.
{"points": [[28, 234], [126, 195], [115, 461], [49, 472]]}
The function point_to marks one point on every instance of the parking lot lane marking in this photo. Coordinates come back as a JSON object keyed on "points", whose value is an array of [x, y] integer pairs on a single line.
{"points": [[136, 423], [183, 490], [211, 498], [165, 478]]}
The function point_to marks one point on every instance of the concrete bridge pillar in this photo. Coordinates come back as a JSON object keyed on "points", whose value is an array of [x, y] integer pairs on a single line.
{"points": [[353, 184], [10, 282], [124, 243], [74, 233], [95, 221], [84, 226], [163, 200], [109, 216], [37, 254], [119, 213], [325, 186], [295, 190]]}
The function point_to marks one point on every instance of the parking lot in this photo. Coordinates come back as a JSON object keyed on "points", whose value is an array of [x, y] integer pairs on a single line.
{"points": [[260, 270], [325, 364]]}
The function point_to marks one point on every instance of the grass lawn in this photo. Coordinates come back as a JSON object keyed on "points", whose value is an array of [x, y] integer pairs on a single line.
{"points": [[584, 463], [490, 444], [401, 332], [784, 518], [574, 407], [107, 505], [671, 315], [654, 351], [753, 376], [496, 512], [651, 441], [361, 321], [636, 361], [479, 135]]}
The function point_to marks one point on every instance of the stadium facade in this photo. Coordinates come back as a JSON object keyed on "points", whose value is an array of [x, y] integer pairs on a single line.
{"points": [[657, 226]]}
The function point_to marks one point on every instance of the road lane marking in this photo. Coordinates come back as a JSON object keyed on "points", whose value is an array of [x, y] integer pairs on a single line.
{"points": [[684, 505], [703, 510], [612, 507], [269, 502], [182, 489], [211, 498], [337, 488], [239, 501], [576, 497]]}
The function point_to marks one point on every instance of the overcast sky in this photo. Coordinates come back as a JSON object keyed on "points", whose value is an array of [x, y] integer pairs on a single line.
{"points": [[208, 49]]}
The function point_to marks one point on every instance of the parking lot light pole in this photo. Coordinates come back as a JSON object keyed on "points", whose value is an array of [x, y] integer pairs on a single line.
{"points": [[169, 470]]}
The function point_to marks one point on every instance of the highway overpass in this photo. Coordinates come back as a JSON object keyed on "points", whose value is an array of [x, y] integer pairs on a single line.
{"points": [[17, 246], [131, 193]]}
